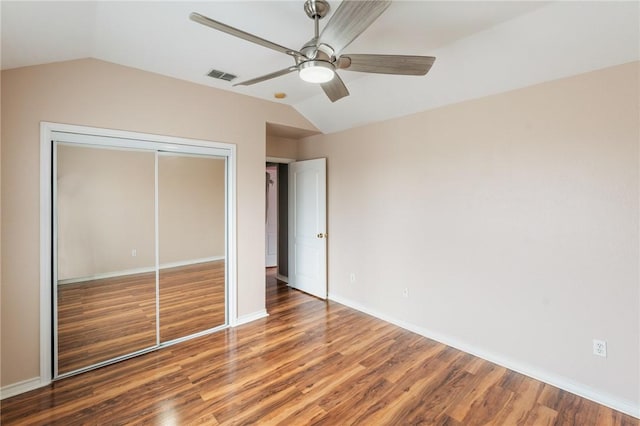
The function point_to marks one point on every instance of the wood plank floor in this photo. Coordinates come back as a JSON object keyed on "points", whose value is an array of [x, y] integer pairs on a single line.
{"points": [[102, 319], [309, 362]]}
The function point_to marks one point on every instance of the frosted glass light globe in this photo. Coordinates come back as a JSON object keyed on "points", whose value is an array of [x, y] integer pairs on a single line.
{"points": [[316, 71]]}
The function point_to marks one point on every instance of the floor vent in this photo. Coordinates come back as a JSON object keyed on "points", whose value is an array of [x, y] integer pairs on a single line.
{"points": [[221, 75]]}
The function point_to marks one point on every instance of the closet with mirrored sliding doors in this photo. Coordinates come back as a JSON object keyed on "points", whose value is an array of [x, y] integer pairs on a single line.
{"points": [[140, 244]]}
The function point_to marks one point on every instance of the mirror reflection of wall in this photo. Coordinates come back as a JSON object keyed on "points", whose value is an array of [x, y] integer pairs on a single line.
{"points": [[106, 254], [191, 215], [105, 211], [114, 267]]}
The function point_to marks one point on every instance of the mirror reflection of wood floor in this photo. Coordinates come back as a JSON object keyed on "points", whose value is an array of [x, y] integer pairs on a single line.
{"points": [[309, 362], [102, 319]]}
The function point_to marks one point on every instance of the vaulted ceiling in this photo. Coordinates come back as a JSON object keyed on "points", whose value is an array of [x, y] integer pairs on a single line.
{"points": [[482, 47]]}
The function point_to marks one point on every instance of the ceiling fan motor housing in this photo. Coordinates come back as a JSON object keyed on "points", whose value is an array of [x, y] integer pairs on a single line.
{"points": [[313, 50]]}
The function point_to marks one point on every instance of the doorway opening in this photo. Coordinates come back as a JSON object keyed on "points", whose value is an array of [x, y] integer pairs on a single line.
{"points": [[277, 220]]}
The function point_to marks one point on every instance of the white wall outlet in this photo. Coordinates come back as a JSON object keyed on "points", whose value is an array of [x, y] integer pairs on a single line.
{"points": [[352, 277], [600, 348], [134, 252], [405, 292]]}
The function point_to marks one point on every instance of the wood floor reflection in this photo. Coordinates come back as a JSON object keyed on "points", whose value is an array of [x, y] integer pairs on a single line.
{"points": [[103, 319], [191, 299]]}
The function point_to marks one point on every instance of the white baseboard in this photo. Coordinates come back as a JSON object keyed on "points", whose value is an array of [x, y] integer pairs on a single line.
{"points": [[282, 278], [139, 270], [628, 407], [107, 275], [21, 387], [244, 319], [190, 262]]}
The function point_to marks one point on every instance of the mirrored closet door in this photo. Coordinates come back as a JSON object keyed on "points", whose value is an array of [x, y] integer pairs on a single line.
{"points": [[192, 241], [140, 250]]}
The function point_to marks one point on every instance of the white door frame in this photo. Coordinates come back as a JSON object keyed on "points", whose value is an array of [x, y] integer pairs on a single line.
{"points": [[120, 138]]}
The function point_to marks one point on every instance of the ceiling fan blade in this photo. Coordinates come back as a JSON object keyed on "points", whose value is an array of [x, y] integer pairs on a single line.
{"points": [[350, 20], [335, 88], [267, 77], [201, 19], [387, 64]]}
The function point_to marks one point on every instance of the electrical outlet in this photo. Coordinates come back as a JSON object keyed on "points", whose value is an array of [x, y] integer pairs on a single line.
{"points": [[134, 252], [352, 278], [600, 348], [405, 292]]}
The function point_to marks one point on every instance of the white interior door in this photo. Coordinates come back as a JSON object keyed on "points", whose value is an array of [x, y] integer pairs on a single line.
{"points": [[308, 226]]}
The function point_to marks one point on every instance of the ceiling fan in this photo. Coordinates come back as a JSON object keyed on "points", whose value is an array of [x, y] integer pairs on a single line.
{"points": [[319, 58]]}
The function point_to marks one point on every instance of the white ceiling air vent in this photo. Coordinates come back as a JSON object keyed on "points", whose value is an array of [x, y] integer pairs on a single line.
{"points": [[221, 75]]}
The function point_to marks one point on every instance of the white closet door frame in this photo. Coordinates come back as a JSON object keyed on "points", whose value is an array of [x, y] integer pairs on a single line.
{"points": [[50, 132]]}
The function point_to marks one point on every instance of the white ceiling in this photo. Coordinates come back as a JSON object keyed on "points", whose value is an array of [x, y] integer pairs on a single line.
{"points": [[482, 47]]}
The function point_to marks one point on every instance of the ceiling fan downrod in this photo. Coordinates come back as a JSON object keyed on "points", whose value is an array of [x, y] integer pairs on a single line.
{"points": [[316, 10]]}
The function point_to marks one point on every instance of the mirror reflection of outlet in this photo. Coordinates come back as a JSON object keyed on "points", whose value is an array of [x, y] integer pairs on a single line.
{"points": [[405, 292]]}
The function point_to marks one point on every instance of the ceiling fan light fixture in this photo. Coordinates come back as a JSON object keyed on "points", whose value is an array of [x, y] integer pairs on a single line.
{"points": [[316, 71]]}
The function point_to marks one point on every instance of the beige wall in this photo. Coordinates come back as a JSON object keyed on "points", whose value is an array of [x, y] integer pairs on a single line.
{"points": [[282, 147], [512, 220], [100, 94]]}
